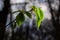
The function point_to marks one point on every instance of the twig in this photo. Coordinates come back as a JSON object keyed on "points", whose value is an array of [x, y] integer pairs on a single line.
{"points": [[14, 20], [10, 22]]}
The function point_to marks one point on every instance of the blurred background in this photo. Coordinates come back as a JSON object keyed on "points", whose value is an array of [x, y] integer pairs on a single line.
{"points": [[50, 27]]}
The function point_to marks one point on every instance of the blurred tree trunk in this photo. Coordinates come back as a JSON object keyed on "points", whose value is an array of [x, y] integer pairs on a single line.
{"points": [[3, 18], [55, 22]]}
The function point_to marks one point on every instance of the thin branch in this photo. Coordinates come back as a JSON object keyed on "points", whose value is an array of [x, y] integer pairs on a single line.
{"points": [[14, 20], [11, 22], [19, 3]]}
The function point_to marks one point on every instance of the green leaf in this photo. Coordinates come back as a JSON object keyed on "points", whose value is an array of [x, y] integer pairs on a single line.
{"points": [[38, 22], [20, 19], [28, 14], [39, 15]]}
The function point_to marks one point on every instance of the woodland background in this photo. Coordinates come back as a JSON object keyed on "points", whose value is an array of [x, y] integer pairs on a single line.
{"points": [[50, 27]]}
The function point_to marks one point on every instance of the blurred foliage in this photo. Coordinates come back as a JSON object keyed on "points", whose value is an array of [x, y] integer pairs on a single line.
{"points": [[38, 12], [39, 15], [20, 18]]}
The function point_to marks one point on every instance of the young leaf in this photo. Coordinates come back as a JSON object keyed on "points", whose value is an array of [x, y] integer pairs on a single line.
{"points": [[39, 15], [38, 22], [20, 19], [28, 14]]}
